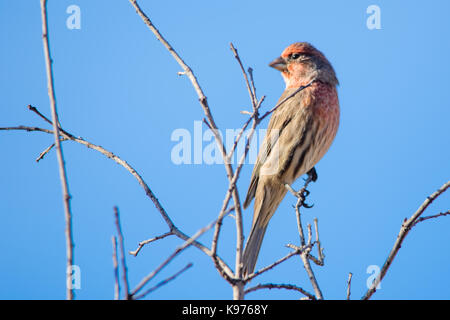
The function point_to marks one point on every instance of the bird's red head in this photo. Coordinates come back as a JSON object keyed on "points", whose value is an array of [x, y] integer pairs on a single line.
{"points": [[301, 62]]}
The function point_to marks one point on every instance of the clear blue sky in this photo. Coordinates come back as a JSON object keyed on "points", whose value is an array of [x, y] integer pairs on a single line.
{"points": [[118, 87]]}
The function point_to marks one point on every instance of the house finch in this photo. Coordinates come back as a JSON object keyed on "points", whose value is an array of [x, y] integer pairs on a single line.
{"points": [[300, 131]]}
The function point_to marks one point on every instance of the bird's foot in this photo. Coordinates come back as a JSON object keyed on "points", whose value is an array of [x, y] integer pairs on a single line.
{"points": [[312, 176], [301, 195]]}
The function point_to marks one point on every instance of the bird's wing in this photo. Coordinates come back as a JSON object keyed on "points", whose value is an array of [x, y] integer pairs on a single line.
{"points": [[278, 123]]}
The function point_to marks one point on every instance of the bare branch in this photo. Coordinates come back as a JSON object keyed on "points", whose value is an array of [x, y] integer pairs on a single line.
{"points": [[247, 82], [349, 284], [306, 245], [43, 153], [319, 248], [122, 254], [59, 152], [145, 242], [165, 281], [252, 81], [26, 128], [35, 110], [442, 214], [281, 286], [271, 266], [311, 276], [116, 269], [407, 225]]}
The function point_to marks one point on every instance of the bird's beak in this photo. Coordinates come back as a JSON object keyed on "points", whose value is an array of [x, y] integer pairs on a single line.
{"points": [[279, 64]]}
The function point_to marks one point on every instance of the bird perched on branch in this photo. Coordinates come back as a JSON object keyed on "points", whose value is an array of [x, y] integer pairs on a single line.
{"points": [[299, 133]]}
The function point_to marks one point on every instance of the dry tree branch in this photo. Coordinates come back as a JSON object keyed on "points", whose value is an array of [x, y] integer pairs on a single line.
{"points": [[311, 276], [59, 152], [140, 180], [165, 281], [349, 284], [306, 246], [116, 269], [320, 260], [442, 214], [145, 242], [407, 225], [250, 87], [273, 265], [281, 286], [252, 81], [44, 153], [122, 254]]}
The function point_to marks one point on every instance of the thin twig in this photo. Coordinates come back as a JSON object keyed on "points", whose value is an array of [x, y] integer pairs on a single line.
{"points": [[47, 150], [442, 214], [273, 265], [165, 281], [281, 286], [305, 256], [349, 284], [279, 104], [309, 234], [247, 82], [407, 225], [319, 248], [116, 269], [311, 276], [122, 254], [145, 242], [43, 153], [59, 152], [252, 81], [35, 110]]}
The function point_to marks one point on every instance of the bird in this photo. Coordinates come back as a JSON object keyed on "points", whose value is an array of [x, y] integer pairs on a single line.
{"points": [[299, 133]]}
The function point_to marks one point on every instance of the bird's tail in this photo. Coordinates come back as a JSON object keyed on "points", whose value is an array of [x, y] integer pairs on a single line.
{"points": [[265, 205], [252, 248]]}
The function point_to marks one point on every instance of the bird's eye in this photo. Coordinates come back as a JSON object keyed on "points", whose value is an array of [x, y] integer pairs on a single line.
{"points": [[295, 56]]}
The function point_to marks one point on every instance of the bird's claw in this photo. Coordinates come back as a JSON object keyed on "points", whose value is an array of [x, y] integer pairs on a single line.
{"points": [[308, 206], [303, 193], [312, 176]]}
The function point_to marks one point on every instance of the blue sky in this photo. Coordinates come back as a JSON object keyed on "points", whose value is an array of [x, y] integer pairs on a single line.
{"points": [[118, 87]]}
